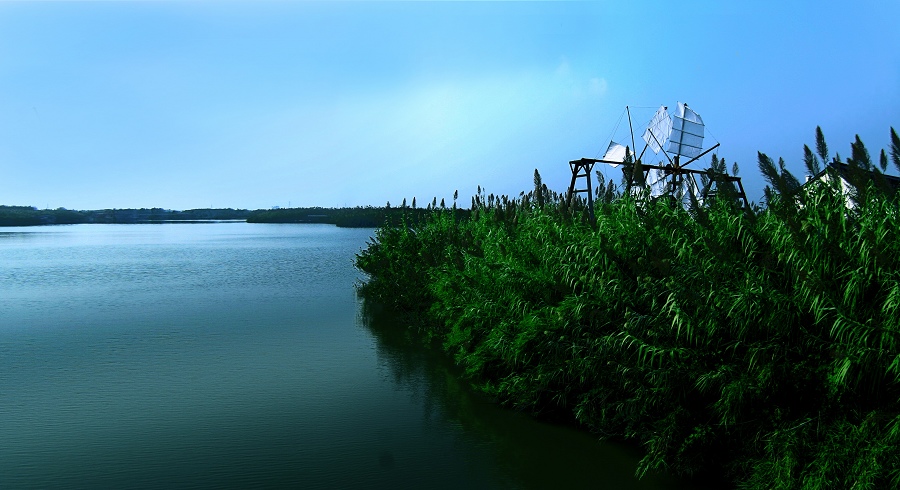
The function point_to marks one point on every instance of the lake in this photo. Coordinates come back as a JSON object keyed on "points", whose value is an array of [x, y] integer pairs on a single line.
{"points": [[238, 355]]}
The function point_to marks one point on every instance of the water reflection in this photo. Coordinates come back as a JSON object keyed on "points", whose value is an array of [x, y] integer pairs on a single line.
{"points": [[521, 452]]}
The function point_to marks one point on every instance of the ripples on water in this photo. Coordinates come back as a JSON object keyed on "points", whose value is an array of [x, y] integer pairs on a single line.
{"points": [[235, 355]]}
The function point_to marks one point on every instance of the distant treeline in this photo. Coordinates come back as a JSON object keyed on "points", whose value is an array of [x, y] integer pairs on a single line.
{"points": [[31, 216], [762, 344], [358, 217]]}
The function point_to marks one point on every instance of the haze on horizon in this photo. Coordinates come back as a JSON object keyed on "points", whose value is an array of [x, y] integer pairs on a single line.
{"points": [[187, 105]]}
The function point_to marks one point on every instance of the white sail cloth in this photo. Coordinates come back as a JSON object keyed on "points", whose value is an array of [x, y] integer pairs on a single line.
{"points": [[680, 134], [687, 133], [658, 130], [614, 153], [656, 181]]}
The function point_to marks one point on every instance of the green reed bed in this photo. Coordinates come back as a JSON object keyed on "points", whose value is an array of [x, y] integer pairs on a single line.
{"points": [[761, 345]]}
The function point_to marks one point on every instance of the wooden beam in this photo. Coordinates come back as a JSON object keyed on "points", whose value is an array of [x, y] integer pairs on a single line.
{"points": [[692, 160]]}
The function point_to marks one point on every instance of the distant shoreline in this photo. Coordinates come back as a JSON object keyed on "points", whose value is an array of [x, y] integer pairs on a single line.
{"points": [[31, 216], [357, 217]]}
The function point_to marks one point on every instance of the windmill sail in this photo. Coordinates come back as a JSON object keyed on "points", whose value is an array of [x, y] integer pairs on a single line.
{"points": [[687, 133], [656, 182], [658, 130], [681, 134], [614, 153]]}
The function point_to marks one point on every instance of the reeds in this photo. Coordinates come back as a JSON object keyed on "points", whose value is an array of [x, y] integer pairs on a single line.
{"points": [[765, 344]]}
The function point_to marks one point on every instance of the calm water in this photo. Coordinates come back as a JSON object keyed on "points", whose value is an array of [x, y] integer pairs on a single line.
{"points": [[237, 355]]}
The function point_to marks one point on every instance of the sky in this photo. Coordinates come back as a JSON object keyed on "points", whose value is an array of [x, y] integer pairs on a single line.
{"points": [[195, 104]]}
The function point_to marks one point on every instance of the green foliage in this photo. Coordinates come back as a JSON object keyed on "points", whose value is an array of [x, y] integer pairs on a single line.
{"points": [[811, 162], [606, 191], [781, 181], [860, 154], [763, 345], [31, 216], [358, 217], [821, 147], [895, 148], [717, 173], [538, 189]]}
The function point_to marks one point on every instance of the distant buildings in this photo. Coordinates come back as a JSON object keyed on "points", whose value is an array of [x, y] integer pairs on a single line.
{"points": [[852, 177]]}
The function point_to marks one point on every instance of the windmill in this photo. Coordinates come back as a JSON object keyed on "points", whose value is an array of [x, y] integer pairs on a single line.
{"points": [[679, 139]]}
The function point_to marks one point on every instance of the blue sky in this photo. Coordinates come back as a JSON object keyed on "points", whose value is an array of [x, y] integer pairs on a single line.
{"points": [[258, 104]]}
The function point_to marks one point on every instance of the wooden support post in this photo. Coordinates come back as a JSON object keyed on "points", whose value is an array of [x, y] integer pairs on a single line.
{"points": [[741, 193], [709, 192], [581, 168]]}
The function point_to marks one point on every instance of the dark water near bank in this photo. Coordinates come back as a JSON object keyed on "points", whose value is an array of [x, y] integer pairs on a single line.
{"points": [[237, 355]]}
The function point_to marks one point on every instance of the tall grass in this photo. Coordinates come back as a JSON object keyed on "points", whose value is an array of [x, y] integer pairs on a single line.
{"points": [[762, 344]]}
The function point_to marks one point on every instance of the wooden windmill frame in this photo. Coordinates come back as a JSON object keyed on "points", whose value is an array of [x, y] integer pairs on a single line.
{"points": [[684, 134]]}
